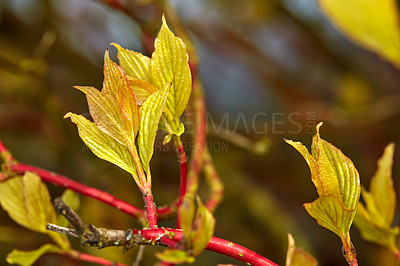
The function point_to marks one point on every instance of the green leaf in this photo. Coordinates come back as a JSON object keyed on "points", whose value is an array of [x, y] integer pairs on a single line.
{"points": [[150, 114], [134, 64], [102, 145], [106, 114], [27, 201], [375, 221], [298, 257], [204, 224], [187, 212], [372, 232], [331, 214], [337, 182], [169, 63], [381, 187], [27, 258], [374, 28], [175, 256], [141, 89]]}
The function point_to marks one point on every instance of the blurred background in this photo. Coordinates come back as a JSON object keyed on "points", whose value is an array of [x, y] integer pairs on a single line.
{"points": [[270, 69]]}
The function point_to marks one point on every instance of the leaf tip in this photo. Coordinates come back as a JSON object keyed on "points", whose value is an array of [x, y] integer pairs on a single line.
{"points": [[68, 115]]}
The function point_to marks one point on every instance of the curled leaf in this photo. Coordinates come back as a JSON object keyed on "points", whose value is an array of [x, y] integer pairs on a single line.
{"points": [[175, 256], [297, 256], [337, 182]]}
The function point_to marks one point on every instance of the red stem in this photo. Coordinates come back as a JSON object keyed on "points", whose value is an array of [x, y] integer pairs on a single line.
{"points": [[183, 168], [89, 258], [216, 244], [150, 207], [80, 188]]}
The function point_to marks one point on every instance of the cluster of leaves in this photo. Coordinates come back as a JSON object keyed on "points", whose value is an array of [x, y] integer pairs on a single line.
{"points": [[127, 111], [338, 186], [27, 201]]}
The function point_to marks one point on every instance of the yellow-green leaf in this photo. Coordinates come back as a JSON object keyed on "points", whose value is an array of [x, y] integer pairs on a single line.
{"points": [[297, 256], [381, 187], [106, 114], [27, 258], [373, 24], [375, 220], [175, 256], [150, 114], [27, 201], [141, 89], [204, 224], [337, 182], [186, 215], [331, 214], [372, 232], [134, 64], [169, 63], [102, 145]]}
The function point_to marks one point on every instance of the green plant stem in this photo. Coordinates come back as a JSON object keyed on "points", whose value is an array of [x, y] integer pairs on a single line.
{"points": [[183, 170]]}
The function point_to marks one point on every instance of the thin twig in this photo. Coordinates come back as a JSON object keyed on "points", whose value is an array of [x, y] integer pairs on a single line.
{"points": [[183, 173]]}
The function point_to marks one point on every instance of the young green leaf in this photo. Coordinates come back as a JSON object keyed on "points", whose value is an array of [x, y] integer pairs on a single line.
{"points": [[106, 114], [298, 257], [204, 224], [27, 258], [27, 201], [375, 221], [169, 63], [186, 214], [141, 89], [135, 64], [102, 145], [374, 28], [337, 182], [150, 114], [175, 256]]}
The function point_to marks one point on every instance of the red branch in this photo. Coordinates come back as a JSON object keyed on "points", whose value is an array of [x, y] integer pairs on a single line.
{"points": [[150, 207], [80, 188], [216, 244], [89, 258], [183, 167]]}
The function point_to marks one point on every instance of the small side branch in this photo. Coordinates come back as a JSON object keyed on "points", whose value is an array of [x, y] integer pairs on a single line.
{"points": [[183, 168]]}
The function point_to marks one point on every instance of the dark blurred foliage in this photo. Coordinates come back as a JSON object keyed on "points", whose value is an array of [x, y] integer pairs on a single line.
{"points": [[271, 70]]}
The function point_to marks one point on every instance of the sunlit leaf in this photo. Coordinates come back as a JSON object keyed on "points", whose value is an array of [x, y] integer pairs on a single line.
{"points": [[375, 220], [337, 182], [102, 145], [169, 63], [331, 214], [381, 187], [204, 224], [134, 64], [27, 201], [175, 256], [141, 89], [106, 113], [298, 257], [373, 24], [370, 231], [27, 258], [150, 114]]}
